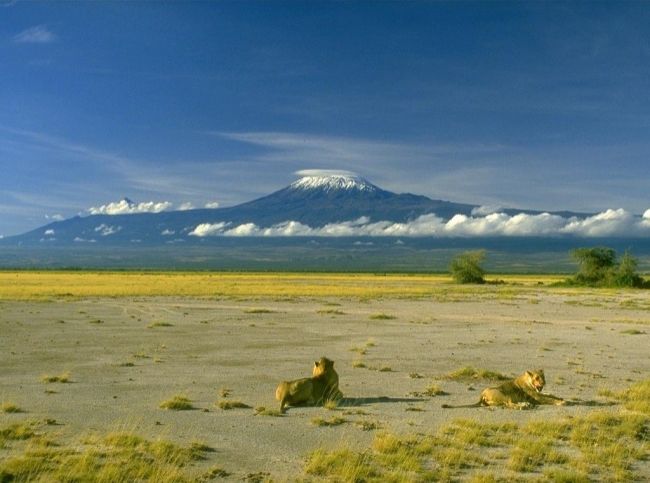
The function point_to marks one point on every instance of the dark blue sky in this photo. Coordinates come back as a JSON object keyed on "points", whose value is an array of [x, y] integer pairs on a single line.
{"points": [[540, 105]]}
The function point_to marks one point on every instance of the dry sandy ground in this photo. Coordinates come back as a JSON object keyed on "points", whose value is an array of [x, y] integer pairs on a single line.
{"points": [[580, 341]]}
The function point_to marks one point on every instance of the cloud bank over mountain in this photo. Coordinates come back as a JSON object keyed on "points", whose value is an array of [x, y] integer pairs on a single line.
{"points": [[611, 222], [128, 207]]}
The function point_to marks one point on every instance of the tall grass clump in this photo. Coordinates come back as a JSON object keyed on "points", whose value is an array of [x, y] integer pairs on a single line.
{"points": [[177, 403], [9, 407]]}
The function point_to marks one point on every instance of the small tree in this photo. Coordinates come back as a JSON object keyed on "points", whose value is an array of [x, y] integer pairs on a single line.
{"points": [[594, 264], [598, 267], [466, 267], [625, 274]]}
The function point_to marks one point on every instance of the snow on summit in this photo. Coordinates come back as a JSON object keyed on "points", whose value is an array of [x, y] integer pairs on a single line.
{"points": [[331, 180]]}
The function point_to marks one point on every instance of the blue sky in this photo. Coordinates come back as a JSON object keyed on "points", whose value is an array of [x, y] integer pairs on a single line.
{"points": [[541, 105]]}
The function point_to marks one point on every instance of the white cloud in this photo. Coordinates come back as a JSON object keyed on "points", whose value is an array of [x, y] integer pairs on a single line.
{"points": [[106, 230], [83, 240], [486, 210], [124, 207], [212, 204], [167, 232], [209, 229], [35, 35], [608, 223], [56, 217], [185, 206], [49, 232]]}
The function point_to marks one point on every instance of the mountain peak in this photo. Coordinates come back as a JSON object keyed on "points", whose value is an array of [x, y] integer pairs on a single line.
{"points": [[331, 180]]}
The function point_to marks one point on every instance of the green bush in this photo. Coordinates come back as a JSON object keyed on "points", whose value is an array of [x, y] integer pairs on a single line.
{"points": [[466, 267], [598, 267]]}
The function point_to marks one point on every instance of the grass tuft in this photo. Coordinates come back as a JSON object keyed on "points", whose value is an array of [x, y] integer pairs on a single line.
{"points": [[9, 407], [259, 311], [382, 317], [367, 425], [177, 403], [471, 373], [633, 332], [159, 324], [330, 312], [263, 411], [333, 421], [227, 404], [63, 378], [433, 390]]}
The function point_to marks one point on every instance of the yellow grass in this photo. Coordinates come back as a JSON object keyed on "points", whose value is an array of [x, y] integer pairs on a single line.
{"points": [[30, 285]]}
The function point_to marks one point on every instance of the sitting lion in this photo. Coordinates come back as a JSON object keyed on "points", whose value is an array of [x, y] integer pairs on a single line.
{"points": [[322, 386], [523, 392]]}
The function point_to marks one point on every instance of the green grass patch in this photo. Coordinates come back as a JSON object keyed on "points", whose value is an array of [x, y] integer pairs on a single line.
{"points": [[159, 324], [115, 457], [596, 446], [635, 398]]}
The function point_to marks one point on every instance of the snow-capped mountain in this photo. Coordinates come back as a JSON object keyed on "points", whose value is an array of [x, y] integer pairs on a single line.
{"points": [[331, 181], [317, 199]]}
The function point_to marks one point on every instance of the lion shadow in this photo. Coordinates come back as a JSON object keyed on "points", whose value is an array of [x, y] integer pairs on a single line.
{"points": [[589, 403], [365, 401]]}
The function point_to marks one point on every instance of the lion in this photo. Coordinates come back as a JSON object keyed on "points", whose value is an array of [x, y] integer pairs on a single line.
{"points": [[322, 386], [521, 393]]}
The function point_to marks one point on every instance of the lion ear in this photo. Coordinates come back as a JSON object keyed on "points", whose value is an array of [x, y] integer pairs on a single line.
{"points": [[316, 363], [541, 371], [528, 373]]}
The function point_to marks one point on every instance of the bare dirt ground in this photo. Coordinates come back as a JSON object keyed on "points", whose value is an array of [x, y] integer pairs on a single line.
{"points": [[125, 356]]}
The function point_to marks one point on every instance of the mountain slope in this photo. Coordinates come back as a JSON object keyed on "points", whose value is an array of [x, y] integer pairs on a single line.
{"points": [[311, 200]]}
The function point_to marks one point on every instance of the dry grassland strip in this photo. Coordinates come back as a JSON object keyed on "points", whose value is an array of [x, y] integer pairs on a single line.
{"points": [[40, 285]]}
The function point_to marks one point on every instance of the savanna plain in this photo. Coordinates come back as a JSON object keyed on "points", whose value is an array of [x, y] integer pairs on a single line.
{"points": [[170, 376]]}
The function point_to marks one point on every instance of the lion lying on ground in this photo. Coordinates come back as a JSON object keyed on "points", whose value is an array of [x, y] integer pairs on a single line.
{"points": [[322, 386], [521, 393]]}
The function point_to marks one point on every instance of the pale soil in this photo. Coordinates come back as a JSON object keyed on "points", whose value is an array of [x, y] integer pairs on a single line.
{"points": [[215, 344]]}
